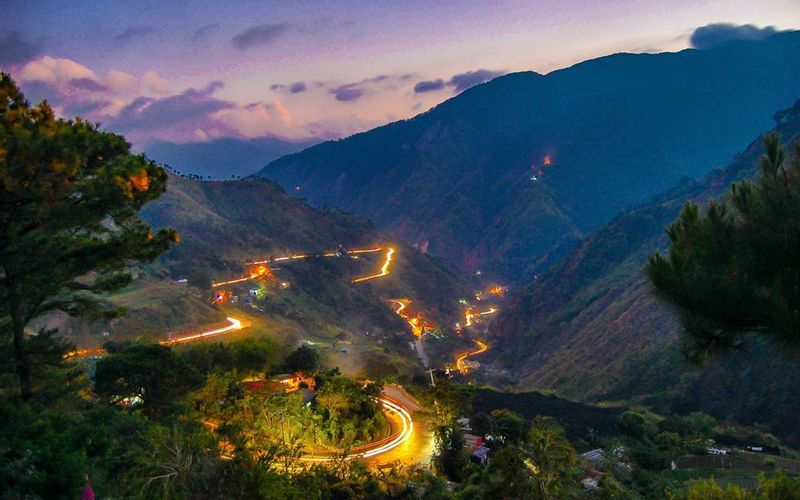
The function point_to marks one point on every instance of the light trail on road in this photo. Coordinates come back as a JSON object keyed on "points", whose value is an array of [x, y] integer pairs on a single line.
{"points": [[356, 251], [417, 327], [461, 358], [380, 448], [233, 282], [470, 314], [234, 325], [384, 269], [300, 256]]}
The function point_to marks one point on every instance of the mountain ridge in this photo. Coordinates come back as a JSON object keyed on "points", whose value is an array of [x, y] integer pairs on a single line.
{"points": [[456, 179]]}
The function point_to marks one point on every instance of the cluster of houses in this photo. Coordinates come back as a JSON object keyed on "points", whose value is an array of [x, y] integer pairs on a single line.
{"points": [[478, 452]]}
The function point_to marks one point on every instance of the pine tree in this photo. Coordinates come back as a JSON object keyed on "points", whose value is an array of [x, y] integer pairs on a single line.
{"points": [[69, 196], [734, 269]]}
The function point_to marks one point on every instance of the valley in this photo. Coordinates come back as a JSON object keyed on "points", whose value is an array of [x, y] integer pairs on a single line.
{"points": [[333, 265]]}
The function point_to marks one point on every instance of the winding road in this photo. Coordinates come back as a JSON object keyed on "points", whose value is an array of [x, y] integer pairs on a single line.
{"points": [[461, 358], [300, 256]]}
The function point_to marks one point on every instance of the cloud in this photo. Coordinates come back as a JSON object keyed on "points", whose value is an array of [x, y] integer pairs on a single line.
{"points": [[16, 50], [84, 107], [204, 32], [356, 90], [262, 34], [262, 119], [133, 33], [154, 84], [65, 79], [429, 86], [148, 113], [348, 92], [463, 81], [293, 88], [714, 35], [121, 83], [56, 71]]}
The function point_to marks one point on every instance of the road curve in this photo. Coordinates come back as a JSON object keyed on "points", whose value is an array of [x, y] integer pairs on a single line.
{"points": [[233, 325], [381, 446], [461, 358]]}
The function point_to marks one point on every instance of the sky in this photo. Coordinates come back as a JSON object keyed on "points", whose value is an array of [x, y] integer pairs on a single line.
{"points": [[301, 69]]}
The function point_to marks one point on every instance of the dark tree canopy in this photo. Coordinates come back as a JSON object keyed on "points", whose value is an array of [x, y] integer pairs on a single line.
{"points": [[69, 196], [303, 359], [151, 372], [734, 269]]}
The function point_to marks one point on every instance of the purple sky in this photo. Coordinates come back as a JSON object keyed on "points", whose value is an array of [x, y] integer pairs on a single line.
{"points": [[162, 70]]}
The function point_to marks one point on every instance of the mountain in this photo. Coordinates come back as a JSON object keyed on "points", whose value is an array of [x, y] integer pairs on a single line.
{"points": [[592, 329], [457, 180], [223, 224], [222, 158]]}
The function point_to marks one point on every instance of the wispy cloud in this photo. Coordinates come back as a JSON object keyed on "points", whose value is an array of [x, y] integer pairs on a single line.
{"points": [[203, 32], [133, 33], [292, 88], [463, 81], [458, 82], [429, 86], [262, 34], [356, 90]]}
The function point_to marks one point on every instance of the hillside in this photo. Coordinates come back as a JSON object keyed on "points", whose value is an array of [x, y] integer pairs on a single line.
{"points": [[222, 158], [223, 225], [591, 328], [457, 180]]}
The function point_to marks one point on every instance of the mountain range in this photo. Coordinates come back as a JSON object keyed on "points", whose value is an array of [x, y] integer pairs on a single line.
{"points": [[509, 175]]}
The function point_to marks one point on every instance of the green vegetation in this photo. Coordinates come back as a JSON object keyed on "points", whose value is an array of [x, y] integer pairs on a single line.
{"points": [[303, 359], [734, 269], [774, 488], [69, 196], [350, 414]]}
